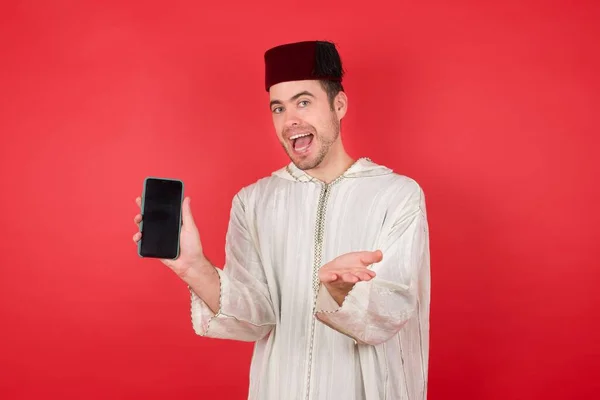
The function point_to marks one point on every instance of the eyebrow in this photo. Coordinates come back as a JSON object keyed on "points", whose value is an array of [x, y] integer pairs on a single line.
{"points": [[294, 97]]}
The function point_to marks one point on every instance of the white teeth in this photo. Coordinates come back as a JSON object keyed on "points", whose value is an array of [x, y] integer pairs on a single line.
{"points": [[299, 136]]}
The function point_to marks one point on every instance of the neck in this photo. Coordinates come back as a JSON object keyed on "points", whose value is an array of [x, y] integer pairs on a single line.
{"points": [[332, 166]]}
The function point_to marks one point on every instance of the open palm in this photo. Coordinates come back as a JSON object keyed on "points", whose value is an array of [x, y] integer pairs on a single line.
{"points": [[340, 274]]}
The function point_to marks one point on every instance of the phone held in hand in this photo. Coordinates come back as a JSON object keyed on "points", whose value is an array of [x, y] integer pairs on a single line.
{"points": [[162, 199]]}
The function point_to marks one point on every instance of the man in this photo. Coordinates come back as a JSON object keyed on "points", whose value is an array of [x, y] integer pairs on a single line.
{"points": [[327, 259]]}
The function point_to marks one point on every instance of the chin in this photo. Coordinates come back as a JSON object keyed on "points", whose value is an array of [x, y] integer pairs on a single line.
{"points": [[307, 163]]}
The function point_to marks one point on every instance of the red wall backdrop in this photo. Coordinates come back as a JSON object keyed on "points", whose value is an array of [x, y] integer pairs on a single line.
{"points": [[492, 107]]}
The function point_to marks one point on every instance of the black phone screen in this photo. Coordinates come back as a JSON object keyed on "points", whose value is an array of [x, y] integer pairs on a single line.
{"points": [[161, 218]]}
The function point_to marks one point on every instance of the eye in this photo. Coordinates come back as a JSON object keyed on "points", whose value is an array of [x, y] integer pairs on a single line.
{"points": [[277, 110], [303, 103]]}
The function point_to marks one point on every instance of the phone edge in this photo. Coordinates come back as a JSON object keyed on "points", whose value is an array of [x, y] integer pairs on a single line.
{"points": [[139, 249], [180, 218]]}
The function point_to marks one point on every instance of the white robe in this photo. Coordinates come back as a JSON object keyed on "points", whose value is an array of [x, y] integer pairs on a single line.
{"points": [[282, 228]]}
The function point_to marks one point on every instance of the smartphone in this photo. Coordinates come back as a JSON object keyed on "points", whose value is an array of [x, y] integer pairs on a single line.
{"points": [[161, 218]]}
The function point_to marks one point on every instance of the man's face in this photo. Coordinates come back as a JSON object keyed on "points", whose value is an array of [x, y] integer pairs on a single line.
{"points": [[305, 123]]}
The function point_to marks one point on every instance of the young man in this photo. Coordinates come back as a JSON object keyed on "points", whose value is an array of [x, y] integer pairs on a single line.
{"points": [[327, 259]]}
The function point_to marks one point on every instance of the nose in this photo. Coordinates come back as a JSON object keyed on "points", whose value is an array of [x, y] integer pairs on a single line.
{"points": [[291, 119]]}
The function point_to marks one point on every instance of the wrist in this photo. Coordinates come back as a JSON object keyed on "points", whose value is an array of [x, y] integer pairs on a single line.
{"points": [[338, 293], [198, 269], [203, 280]]}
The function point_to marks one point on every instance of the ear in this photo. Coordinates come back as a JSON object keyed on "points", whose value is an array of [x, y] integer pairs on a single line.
{"points": [[340, 104]]}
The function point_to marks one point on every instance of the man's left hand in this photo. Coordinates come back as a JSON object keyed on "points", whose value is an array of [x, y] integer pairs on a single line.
{"points": [[340, 274]]}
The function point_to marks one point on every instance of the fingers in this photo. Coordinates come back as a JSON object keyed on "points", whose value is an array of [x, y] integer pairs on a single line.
{"points": [[327, 277], [365, 275], [186, 212], [137, 219], [368, 272], [371, 257], [378, 255], [136, 237], [348, 276], [356, 276]]}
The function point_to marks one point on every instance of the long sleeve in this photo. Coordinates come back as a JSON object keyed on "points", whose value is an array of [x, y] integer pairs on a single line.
{"points": [[245, 308], [374, 311]]}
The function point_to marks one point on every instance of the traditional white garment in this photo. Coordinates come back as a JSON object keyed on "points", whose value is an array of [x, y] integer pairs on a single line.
{"points": [[282, 229]]}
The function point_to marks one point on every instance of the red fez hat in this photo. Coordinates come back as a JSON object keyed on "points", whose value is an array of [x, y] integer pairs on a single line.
{"points": [[302, 61]]}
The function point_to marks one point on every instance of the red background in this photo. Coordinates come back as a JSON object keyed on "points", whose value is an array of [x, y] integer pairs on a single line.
{"points": [[492, 107]]}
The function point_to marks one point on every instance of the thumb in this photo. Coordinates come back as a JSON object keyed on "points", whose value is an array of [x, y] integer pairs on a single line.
{"points": [[371, 257], [186, 212]]}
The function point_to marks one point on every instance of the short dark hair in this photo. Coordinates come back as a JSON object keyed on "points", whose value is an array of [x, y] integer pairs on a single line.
{"points": [[332, 88], [328, 63]]}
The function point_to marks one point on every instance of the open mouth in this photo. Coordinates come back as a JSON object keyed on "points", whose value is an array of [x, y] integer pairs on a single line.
{"points": [[301, 142]]}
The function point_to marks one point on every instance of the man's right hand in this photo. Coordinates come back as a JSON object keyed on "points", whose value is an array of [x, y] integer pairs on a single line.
{"points": [[191, 255]]}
